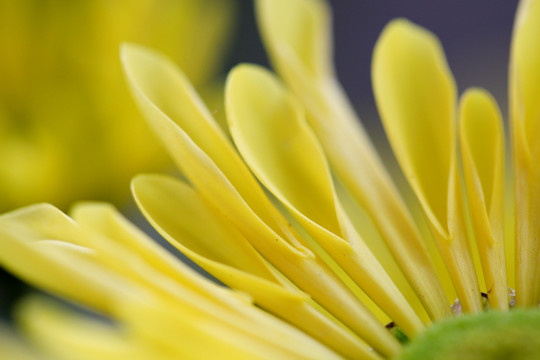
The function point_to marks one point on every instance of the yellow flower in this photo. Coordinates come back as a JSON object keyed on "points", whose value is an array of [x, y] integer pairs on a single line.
{"points": [[277, 210], [68, 128]]}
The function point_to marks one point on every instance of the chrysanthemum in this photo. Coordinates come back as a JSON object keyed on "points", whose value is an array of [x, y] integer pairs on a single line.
{"points": [[68, 127], [271, 208]]}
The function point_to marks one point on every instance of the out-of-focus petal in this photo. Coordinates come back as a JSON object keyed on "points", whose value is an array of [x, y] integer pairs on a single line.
{"points": [[13, 348], [64, 333], [525, 125], [36, 235], [138, 295], [68, 127]]}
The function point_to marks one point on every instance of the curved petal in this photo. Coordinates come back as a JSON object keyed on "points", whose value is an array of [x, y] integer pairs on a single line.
{"points": [[190, 134], [104, 220], [66, 334], [202, 151], [135, 289], [296, 34], [57, 268], [525, 124], [190, 334], [415, 95], [189, 224], [482, 150], [300, 29], [223, 180], [270, 132]]}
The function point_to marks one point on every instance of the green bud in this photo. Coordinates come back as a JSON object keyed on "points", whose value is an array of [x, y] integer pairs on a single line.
{"points": [[509, 335]]}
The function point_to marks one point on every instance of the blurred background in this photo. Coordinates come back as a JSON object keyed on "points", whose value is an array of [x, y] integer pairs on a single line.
{"points": [[69, 130]]}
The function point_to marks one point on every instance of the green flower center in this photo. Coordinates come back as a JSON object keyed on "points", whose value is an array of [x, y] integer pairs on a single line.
{"points": [[492, 335]]}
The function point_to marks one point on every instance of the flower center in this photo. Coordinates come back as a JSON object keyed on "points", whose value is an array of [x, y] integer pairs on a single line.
{"points": [[492, 335]]}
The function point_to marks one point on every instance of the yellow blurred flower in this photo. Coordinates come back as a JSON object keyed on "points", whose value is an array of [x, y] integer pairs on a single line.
{"points": [[305, 280], [68, 128]]}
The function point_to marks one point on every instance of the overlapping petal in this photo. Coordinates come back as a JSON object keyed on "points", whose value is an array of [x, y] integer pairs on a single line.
{"points": [[416, 98], [482, 150], [267, 217], [297, 37], [210, 162], [270, 131], [143, 291], [202, 234]]}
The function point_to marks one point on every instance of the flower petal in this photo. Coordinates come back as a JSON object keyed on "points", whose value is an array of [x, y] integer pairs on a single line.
{"points": [[297, 36], [482, 151], [525, 124], [104, 220], [185, 333], [302, 27], [199, 148], [193, 300], [415, 95], [188, 223], [61, 269], [270, 132], [64, 333], [210, 163]]}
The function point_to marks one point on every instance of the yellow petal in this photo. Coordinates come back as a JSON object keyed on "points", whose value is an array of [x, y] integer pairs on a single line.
{"points": [[200, 153], [119, 247], [182, 217], [482, 151], [202, 336], [52, 232], [184, 125], [63, 270], [525, 124], [270, 132], [179, 212], [224, 181], [302, 28], [114, 273], [104, 220], [239, 319], [297, 36], [525, 72], [65, 334], [268, 127], [415, 95], [180, 283]]}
